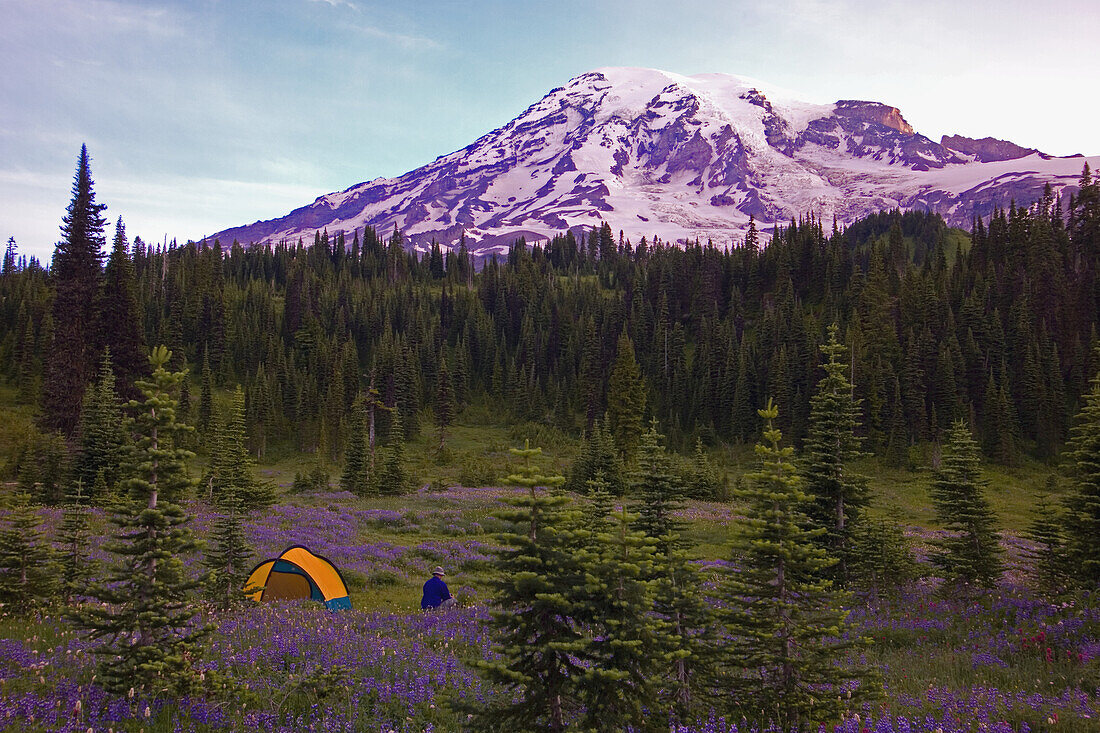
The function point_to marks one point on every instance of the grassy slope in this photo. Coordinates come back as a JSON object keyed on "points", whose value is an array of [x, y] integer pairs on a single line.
{"points": [[481, 438]]}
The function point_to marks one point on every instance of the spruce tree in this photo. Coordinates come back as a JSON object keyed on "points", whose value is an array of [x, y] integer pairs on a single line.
{"points": [[657, 490], [786, 620], [971, 553], [626, 398], [76, 273], [144, 623], [392, 477], [28, 375], [536, 641], [1083, 501], [119, 325], [101, 435], [880, 559], [206, 400], [228, 559], [831, 445], [75, 565], [27, 575], [407, 388], [742, 419], [598, 457], [1049, 569], [444, 402], [623, 650], [230, 475], [703, 482], [356, 478], [897, 440]]}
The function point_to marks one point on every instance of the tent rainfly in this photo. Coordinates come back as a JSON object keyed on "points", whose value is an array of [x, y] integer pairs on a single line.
{"points": [[298, 573]]}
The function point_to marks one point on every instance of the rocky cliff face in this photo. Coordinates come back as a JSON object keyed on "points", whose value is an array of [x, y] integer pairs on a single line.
{"points": [[874, 112], [659, 154], [986, 150]]}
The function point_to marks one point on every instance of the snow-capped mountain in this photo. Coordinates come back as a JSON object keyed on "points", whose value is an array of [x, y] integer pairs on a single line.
{"points": [[679, 157]]}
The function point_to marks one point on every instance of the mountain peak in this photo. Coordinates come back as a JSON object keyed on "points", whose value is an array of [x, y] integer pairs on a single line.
{"points": [[660, 154]]}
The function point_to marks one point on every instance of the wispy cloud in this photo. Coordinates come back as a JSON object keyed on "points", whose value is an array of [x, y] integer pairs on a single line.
{"points": [[338, 3], [108, 17], [404, 40]]}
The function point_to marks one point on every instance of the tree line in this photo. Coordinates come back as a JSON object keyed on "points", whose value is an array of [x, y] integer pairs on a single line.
{"points": [[995, 328]]}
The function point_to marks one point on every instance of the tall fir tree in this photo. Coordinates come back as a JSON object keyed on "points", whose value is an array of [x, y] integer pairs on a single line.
{"points": [[743, 420], [356, 478], [971, 553], [444, 402], [407, 387], [76, 272], [839, 495], [144, 619], [206, 400], [657, 489], [11, 260], [787, 622], [392, 478], [685, 639], [373, 405], [231, 474], [690, 639], [119, 326], [626, 399], [1083, 502]]}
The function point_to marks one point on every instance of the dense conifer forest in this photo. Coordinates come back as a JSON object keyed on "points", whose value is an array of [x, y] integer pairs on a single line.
{"points": [[994, 328]]}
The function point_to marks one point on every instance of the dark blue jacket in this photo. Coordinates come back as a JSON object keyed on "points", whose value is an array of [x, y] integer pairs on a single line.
{"points": [[435, 592]]}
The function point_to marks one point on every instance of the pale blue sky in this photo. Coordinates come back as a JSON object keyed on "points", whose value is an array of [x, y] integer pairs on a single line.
{"points": [[207, 114]]}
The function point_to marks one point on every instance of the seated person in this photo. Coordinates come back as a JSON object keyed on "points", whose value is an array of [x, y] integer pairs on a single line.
{"points": [[436, 593]]}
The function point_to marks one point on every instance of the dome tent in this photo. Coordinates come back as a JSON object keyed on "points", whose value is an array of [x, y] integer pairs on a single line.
{"points": [[298, 573]]}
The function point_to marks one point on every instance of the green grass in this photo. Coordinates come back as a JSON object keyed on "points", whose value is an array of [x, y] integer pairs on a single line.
{"points": [[481, 437]]}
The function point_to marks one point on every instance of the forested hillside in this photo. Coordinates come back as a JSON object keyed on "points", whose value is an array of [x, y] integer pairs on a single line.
{"points": [[995, 328]]}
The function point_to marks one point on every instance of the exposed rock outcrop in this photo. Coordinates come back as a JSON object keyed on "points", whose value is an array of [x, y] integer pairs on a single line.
{"points": [[988, 149], [874, 112]]}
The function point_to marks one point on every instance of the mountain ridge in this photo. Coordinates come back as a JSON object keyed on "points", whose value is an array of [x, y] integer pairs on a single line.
{"points": [[660, 154]]}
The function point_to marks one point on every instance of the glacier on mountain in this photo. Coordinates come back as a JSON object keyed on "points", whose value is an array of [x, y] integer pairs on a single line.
{"points": [[655, 153]]}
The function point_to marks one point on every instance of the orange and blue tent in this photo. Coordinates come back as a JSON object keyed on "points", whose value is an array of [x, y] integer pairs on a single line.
{"points": [[298, 573]]}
